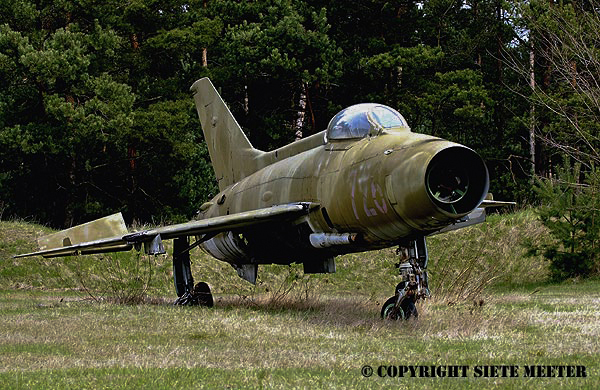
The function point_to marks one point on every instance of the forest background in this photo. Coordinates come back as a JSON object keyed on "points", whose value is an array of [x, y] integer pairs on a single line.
{"points": [[96, 114]]}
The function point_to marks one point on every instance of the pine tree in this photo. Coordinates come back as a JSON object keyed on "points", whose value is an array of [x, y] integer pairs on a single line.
{"points": [[570, 209]]}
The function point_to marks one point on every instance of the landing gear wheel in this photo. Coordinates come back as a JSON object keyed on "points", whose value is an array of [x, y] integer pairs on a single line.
{"points": [[202, 295], [199, 296], [410, 309], [389, 311]]}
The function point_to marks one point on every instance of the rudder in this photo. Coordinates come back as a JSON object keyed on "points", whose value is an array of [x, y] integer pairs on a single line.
{"points": [[231, 153]]}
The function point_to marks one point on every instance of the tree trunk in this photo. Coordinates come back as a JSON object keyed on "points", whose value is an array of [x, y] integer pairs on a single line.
{"points": [[532, 111]]}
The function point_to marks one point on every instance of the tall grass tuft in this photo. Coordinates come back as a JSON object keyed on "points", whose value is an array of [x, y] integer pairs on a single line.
{"points": [[124, 277], [465, 262], [289, 289], [463, 275]]}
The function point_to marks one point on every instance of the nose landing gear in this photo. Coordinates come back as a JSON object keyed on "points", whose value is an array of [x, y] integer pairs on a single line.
{"points": [[414, 284]]}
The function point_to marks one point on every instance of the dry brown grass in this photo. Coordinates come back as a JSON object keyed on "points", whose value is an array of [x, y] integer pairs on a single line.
{"points": [[303, 337], [295, 330], [464, 263]]}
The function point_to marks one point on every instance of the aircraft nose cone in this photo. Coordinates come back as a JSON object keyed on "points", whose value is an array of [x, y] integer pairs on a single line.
{"points": [[439, 183]]}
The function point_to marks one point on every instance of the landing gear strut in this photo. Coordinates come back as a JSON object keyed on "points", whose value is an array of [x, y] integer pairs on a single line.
{"points": [[414, 284], [189, 295]]}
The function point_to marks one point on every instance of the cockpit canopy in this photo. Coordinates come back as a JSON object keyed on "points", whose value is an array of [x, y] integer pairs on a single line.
{"points": [[366, 119]]}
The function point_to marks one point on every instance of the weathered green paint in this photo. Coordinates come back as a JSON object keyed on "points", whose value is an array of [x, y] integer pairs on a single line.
{"points": [[373, 186]]}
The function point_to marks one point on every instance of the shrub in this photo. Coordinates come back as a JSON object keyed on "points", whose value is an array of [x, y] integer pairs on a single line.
{"points": [[570, 210]]}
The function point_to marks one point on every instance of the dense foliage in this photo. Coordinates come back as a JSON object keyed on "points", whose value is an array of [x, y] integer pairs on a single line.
{"points": [[96, 117], [571, 212]]}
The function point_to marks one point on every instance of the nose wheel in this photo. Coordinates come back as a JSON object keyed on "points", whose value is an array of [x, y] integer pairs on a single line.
{"points": [[392, 311]]}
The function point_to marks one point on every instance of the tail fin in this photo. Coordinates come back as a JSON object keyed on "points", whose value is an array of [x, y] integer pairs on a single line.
{"points": [[231, 153]]}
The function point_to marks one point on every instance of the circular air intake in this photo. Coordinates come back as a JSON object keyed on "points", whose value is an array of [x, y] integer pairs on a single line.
{"points": [[457, 180]]}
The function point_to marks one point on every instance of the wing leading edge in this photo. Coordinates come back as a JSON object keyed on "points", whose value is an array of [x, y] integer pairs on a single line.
{"points": [[109, 234]]}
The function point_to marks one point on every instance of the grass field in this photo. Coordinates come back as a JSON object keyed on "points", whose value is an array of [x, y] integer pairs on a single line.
{"points": [[299, 331]]}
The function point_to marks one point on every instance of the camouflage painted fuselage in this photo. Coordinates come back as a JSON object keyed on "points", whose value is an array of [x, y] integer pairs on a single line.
{"points": [[375, 187]]}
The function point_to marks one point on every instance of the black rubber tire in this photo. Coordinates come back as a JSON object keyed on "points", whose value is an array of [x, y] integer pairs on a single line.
{"points": [[390, 312], [410, 309], [405, 311], [203, 295]]}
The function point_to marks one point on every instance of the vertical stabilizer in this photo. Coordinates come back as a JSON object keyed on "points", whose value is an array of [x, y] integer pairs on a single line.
{"points": [[231, 153]]}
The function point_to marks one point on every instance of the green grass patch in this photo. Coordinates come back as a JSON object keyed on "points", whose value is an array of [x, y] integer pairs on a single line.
{"points": [[294, 330], [54, 341]]}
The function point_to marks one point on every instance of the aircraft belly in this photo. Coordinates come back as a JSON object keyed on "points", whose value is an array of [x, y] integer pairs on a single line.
{"points": [[282, 244]]}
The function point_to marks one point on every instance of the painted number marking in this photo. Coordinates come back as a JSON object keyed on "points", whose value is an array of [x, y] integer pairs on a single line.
{"points": [[373, 201]]}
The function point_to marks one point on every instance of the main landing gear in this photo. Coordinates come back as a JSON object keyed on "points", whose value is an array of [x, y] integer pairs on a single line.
{"points": [[414, 284], [189, 295]]}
